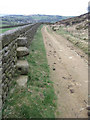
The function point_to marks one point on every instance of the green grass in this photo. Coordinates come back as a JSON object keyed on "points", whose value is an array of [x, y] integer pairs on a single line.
{"points": [[76, 41], [1, 25], [38, 99], [6, 29]]}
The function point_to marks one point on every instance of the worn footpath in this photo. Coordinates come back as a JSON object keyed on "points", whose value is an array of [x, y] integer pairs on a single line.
{"points": [[69, 73]]}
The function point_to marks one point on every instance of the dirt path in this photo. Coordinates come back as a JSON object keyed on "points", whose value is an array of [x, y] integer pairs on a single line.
{"points": [[69, 72]]}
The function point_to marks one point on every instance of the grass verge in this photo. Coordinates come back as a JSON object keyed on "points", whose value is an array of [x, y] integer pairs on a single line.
{"points": [[38, 99], [76, 41]]}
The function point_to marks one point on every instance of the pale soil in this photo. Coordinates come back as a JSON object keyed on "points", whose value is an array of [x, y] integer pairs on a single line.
{"points": [[69, 72]]}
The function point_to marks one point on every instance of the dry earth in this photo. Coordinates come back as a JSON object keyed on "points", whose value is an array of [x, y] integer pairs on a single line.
{"points": [[69, 73]]}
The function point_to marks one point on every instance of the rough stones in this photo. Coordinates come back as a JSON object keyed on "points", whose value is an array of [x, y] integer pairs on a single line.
{"points": [[22, 41], [23, 67], [22, 51], [22, 80]]}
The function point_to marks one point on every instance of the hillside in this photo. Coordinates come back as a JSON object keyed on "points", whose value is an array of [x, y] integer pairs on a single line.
{"points": [[20, 19], [82, 19], [75, 30]]}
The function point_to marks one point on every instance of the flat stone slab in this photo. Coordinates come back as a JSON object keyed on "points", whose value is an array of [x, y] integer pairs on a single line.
{"points": [[22, 51], [23, 67], [22, 80], [22, 41]]}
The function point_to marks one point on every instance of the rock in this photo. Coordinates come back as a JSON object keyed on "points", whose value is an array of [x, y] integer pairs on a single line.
{"points": [[54, 51], [12, 90], [69, 86], [22, 41], [22, 67], [82, 55], [88, 108], [86, 103], [72, 90], [22, 51], [88, 113], [22, 80], [73, 80], [54, 69], [50, 45], [64, 77], [76, 43]]}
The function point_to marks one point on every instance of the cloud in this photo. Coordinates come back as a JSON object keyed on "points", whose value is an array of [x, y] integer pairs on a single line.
{"points": [[57, 7]]}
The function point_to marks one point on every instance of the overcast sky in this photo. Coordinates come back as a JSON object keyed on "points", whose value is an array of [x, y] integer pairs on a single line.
{"points": [[49, 7]]}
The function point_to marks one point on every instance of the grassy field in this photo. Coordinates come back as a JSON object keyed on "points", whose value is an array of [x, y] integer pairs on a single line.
{"points": [[6, 29], [1, 25], [38, 99]]}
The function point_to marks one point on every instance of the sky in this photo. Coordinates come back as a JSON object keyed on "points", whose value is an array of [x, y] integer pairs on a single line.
{"points": [[48, 7]]}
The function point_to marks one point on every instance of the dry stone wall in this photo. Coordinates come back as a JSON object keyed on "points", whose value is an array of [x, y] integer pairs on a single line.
{"points": [[8, 54]]}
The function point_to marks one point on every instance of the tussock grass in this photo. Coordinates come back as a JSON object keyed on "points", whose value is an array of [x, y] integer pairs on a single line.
{"points": [[38, 99], [76, 41]]}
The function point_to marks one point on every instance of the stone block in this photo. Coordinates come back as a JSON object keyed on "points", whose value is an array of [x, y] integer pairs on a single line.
{"points": [[22, 80], [22, 41], [22, 51], [22, 67]]}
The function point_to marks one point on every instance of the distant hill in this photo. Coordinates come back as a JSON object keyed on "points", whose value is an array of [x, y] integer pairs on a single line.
{"points": [[89, 6], [76, 30], [48, 18], [18, 19]]}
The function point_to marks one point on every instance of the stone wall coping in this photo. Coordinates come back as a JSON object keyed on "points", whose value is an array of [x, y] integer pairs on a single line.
{"points": [[11, 35]]}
